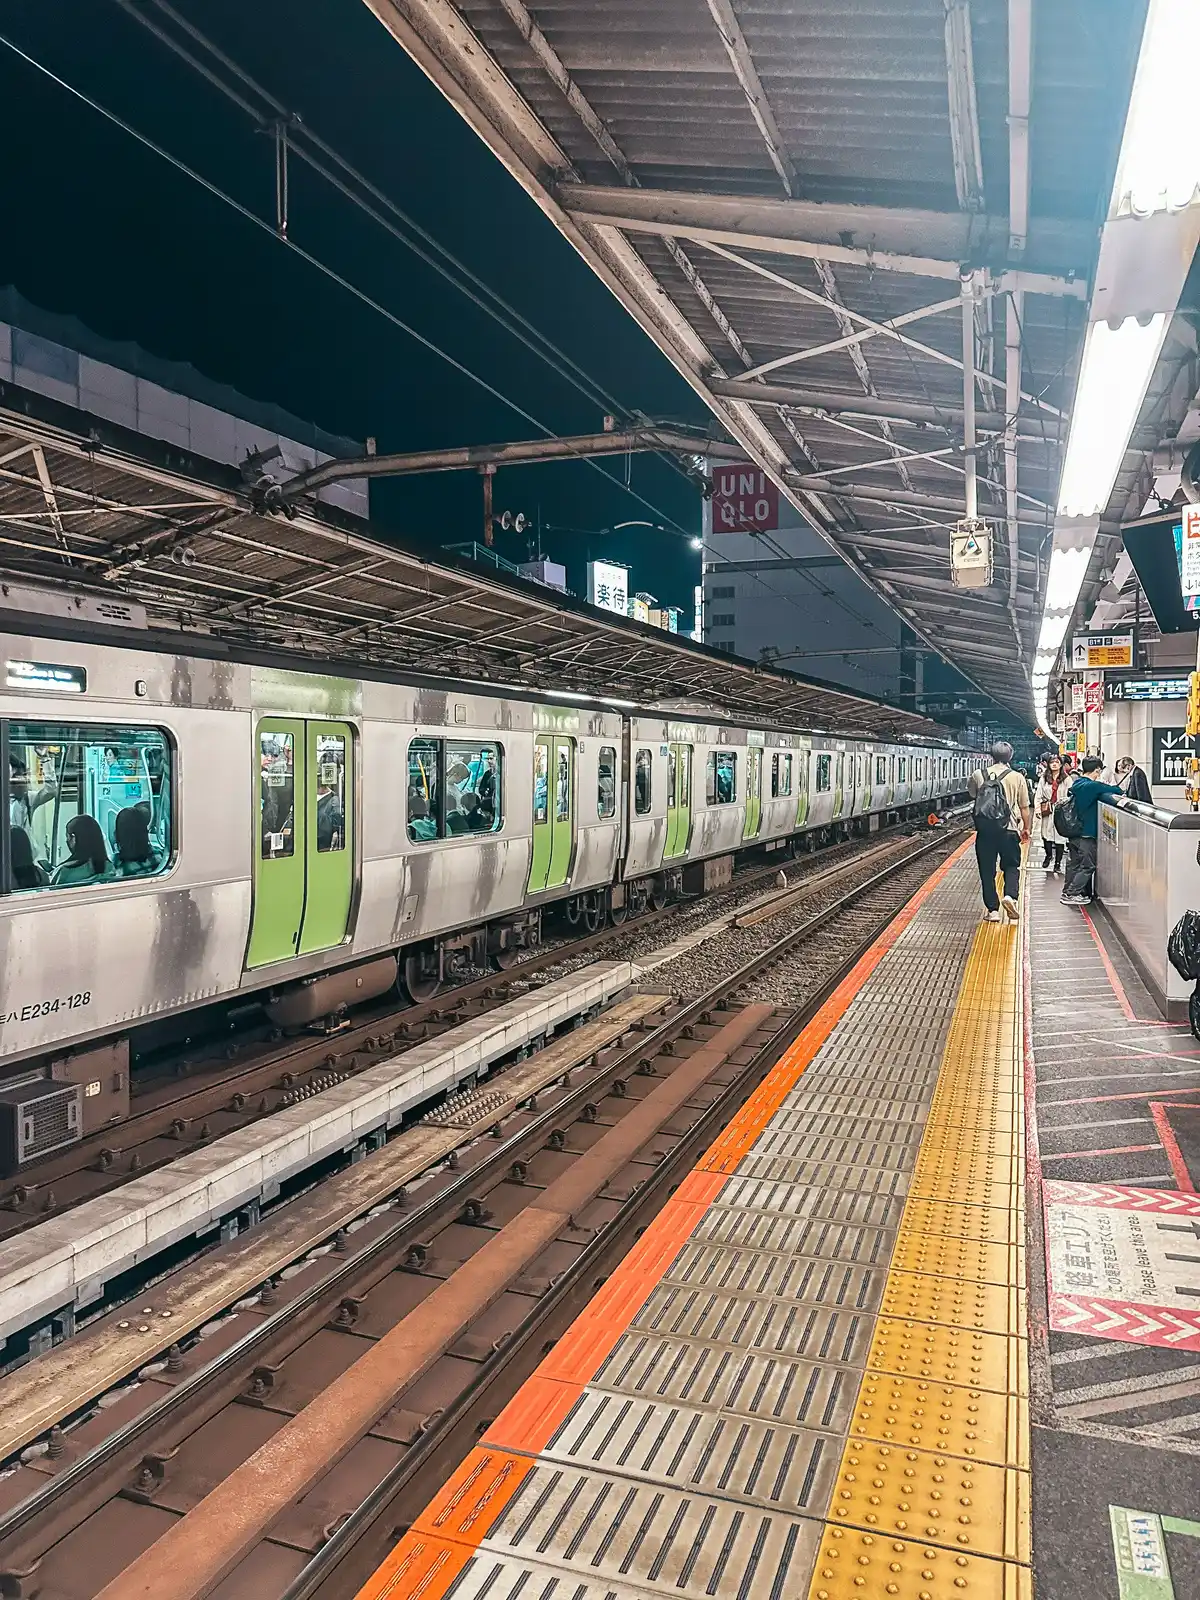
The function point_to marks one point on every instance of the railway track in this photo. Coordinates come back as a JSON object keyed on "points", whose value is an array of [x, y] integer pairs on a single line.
{"points": [[201, 1100], [370, 1370]]}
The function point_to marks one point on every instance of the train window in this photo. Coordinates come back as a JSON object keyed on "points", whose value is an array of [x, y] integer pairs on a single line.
{"points": [[643, 782], [87, 804], [562, 786], [720, 787], [277, 794], [824, 766], [902, 764], [473, 787], [541, 780], [781, 775], [606, 783], [455, 787], [880, 769], [331, 792]]}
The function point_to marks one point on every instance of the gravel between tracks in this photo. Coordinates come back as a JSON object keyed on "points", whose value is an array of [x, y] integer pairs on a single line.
{"points": [[637, 942], [792, 980]]}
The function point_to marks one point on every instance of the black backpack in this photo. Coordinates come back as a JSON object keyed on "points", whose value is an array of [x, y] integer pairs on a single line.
{"points": [[1067, 821], [991, 809]]}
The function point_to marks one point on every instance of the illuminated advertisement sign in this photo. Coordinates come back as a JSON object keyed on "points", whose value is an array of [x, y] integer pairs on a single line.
{"points": [[608, 586]]}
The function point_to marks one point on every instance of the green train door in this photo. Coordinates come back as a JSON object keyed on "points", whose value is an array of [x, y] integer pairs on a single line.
{"points": [[866, 781], [329, 835], [280, 843], [804, 764], [679, 800], [553, 812], [838, 786], [753, 792]]}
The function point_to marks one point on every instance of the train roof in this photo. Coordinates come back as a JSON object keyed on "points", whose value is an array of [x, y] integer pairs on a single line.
{"points": [[158, 546]]}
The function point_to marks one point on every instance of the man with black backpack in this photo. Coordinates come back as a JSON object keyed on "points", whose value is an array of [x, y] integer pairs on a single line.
{"points": [[1079, 813], [1003, 817]]}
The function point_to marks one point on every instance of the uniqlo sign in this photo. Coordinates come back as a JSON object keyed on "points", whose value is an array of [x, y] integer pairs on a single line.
{"points": [[744, 500]]}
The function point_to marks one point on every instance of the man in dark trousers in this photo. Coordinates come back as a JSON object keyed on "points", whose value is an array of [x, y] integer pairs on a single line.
{"points": [[1086, 793], [1003, 817]]}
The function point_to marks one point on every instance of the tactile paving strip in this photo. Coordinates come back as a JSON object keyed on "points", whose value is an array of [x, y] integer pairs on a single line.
{"points": [[808, 1375]]}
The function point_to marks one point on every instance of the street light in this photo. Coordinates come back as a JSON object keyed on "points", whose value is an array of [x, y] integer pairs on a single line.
{"points": [[696, 544]]}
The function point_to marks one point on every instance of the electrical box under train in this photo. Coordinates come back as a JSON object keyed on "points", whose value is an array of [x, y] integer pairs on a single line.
{"points": [[38, 1117]]}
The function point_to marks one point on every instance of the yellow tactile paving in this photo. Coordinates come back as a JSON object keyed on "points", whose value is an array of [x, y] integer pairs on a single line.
{"points": [[967, 1505], [937, 1459], [950, 1355], [852, 1564], [919, 1414]]}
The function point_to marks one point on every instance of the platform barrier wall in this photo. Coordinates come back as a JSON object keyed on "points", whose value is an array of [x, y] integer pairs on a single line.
{"points": [[1147, 876]]}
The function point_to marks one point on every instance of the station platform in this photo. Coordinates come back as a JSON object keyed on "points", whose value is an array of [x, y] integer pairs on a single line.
{"points": [[825, 1371]]}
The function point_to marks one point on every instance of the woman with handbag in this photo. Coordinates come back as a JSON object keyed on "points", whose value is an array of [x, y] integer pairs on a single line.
{"points": [[1052, 788]]}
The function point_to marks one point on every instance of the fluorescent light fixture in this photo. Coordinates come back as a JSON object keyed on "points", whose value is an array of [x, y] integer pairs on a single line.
{"points": [[1159, 164], [1113, 379], [1054, 630], [1065, 577]]}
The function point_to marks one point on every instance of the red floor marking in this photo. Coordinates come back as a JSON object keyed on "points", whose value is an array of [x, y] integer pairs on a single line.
{"points": [[1114, 981], [1117, 1150], [1158, 1110], [1109, 969]]}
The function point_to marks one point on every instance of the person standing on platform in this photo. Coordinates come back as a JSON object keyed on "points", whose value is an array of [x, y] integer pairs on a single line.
{"points": [[1052, 787], [1134, 781], [1001, 812], [1087, 791]]}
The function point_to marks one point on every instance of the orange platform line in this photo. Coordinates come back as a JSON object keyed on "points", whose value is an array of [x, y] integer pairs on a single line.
{"points": [[428, 1560]]}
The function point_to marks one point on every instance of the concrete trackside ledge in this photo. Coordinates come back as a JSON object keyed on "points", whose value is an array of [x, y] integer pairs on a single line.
{"points": [[67, 1261]]}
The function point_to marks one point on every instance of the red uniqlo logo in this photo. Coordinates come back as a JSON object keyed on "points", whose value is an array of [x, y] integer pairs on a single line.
{"points": [[744, 500]]}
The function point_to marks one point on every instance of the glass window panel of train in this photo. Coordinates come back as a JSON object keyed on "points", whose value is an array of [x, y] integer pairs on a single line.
{"points": [[331, 792], [720, 788], [781, 775], [277, 794], [606, 782], [824, 766], [474, 793], [87, 804], [643, 793], [903, 765], [880, 769], [424, 789]]}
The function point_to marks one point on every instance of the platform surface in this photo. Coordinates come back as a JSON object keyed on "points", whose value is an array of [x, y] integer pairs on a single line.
{"points": [[822, 1371], [809, 1375]]}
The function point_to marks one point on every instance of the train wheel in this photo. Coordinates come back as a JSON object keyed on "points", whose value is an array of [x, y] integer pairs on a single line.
{"points": [[658, 896], [573, 911], [502, 960], [420, 982], [619, 913], [593, 913]]}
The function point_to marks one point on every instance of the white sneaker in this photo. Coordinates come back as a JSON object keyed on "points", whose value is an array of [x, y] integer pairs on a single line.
{"points": [[1010, 906], [993, 916], [1076, 900]]}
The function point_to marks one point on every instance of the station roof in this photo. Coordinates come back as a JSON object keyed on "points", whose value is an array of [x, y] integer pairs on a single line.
{"points": [[96, 511], [785, 197]]}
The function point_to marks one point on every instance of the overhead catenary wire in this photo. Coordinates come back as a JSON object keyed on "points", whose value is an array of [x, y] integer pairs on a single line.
{"points": [[323, 267]]}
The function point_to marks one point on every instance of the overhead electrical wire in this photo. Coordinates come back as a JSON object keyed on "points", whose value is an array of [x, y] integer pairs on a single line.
{"points": [[329, 272], [582, 380]]}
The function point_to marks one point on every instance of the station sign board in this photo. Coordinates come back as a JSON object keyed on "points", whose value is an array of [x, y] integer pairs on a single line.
{"points": [[1171, 756], [1078, 695], [1189, 556], [1091, 651], [1147, 688], [744, 499], [608, 586], [1093, 695]]}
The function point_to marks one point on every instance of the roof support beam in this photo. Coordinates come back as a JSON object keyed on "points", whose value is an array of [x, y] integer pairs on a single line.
{"points": [[964, 110], [746, 74], [519, 452], [925, 243], [1020, 79]]}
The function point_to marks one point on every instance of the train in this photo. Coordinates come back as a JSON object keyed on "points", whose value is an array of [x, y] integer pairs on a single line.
{"points": [[192, 828]]}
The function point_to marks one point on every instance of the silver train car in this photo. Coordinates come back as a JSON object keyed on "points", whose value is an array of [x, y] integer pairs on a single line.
{"points": [[190, 830]]}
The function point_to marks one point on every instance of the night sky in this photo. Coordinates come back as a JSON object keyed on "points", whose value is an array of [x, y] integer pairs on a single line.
{"points": [[102, 229]]}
